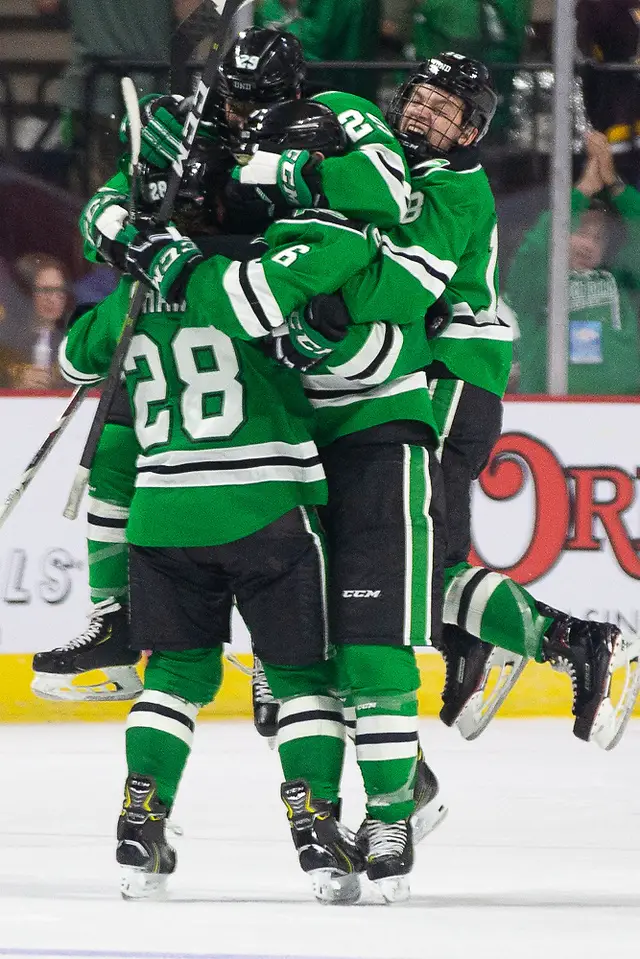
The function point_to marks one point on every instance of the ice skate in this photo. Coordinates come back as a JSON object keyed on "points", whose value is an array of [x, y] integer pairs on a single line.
{"points": [[104, 645], [144, 856], [590, 653], [472, 695], [430, 811], [388, 848], [265, 706], [327, 850]]}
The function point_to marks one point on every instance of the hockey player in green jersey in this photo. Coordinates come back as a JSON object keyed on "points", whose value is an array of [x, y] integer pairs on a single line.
{"points": [[472, 361], [467, 380], [226, 474], [263, 66]]}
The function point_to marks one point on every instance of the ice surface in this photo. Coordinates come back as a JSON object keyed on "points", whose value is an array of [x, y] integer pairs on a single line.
{"points": [[537, 860]]}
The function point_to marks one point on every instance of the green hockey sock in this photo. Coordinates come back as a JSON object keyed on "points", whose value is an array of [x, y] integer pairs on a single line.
{"points": [[161, 722], [493, 608], [311, 732], [383, 683]]}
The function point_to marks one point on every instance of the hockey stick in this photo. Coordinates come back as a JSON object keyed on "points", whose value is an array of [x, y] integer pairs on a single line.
{"points": [[40, 456], [130, 97], [229, 10]]}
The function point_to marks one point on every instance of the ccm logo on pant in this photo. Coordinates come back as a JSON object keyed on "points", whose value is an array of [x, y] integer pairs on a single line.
{"points": [[360, 593]]}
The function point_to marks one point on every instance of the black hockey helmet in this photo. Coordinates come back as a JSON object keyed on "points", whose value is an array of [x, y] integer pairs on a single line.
{"points": [[295, 125], [455, 74], [262, 66], [205, 172]]}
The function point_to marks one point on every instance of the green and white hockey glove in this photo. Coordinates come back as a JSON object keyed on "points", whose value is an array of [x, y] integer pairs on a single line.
{"points": [[104, 226], [279, 346], [163, 258], [317, 329], [162, 118], [295, 172]]}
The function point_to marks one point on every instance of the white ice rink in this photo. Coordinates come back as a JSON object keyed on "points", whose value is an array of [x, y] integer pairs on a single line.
{"points": [[538, 859]]}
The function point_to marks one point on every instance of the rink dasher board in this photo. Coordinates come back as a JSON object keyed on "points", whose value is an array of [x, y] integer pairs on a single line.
{"points": [[561, 513]]}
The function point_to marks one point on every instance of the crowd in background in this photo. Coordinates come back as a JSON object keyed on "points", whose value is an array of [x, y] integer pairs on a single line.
{"points": [[43, 276]]}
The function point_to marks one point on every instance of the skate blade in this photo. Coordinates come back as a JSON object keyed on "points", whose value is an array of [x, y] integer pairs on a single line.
{"points": [[122, 683], [138, 884], [479, 711], [394, 889], [612, 717], [427, 819], [336, 889]]}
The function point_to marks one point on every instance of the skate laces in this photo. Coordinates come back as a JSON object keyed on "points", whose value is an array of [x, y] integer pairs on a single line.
{"points": [[386, 839], [96, 622], [261, 688]]}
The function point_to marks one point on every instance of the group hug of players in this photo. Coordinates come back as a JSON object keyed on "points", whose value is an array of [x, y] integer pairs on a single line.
{"points": [[312, 387]]}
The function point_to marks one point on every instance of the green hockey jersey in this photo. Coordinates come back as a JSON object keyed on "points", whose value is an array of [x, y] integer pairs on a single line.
{"points": [[453, 243], [449, 243], [225, 439]]}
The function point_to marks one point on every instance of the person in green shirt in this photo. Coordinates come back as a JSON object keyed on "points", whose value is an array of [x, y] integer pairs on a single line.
{"points": [[604, 333]]}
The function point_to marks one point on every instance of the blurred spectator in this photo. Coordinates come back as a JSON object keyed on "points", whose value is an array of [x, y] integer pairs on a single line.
{"points": [[330, 30], [114, 30], [493, 31], [604, 339], [47, 281], [609, 31]]}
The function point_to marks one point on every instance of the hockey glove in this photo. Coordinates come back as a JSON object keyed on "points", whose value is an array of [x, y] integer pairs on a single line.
{"points": [[278, 346], [104, 226], [437, 318], [164, 259], [295, 172], [316, 329], [162, 119]]}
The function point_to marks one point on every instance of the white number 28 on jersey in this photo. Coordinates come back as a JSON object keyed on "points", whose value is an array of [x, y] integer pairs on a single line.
{"points": [[212, 398]]}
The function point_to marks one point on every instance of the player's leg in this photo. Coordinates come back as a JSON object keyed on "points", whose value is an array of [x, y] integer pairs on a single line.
{"points": [[280, 586], [385, 533], [490, 621], [180, 609], [469, 420], [104, 644]]}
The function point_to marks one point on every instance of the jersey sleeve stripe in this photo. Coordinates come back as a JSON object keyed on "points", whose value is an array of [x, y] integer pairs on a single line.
{"points": [[389, 165], [69, 371], [264, 300], [327, 218], [471, 331], [375, 360], [418, 269], [240, 301], [322, 394]]}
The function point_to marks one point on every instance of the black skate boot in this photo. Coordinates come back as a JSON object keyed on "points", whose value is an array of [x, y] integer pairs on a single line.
{"points": [[104, 645], [327, 850], [265, 707], [430, 810], [590, 652], [469, 663], [144, 856], [388, 848]]}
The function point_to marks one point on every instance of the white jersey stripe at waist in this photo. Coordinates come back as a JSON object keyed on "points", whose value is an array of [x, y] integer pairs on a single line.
{"points": [[252, 451]]}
